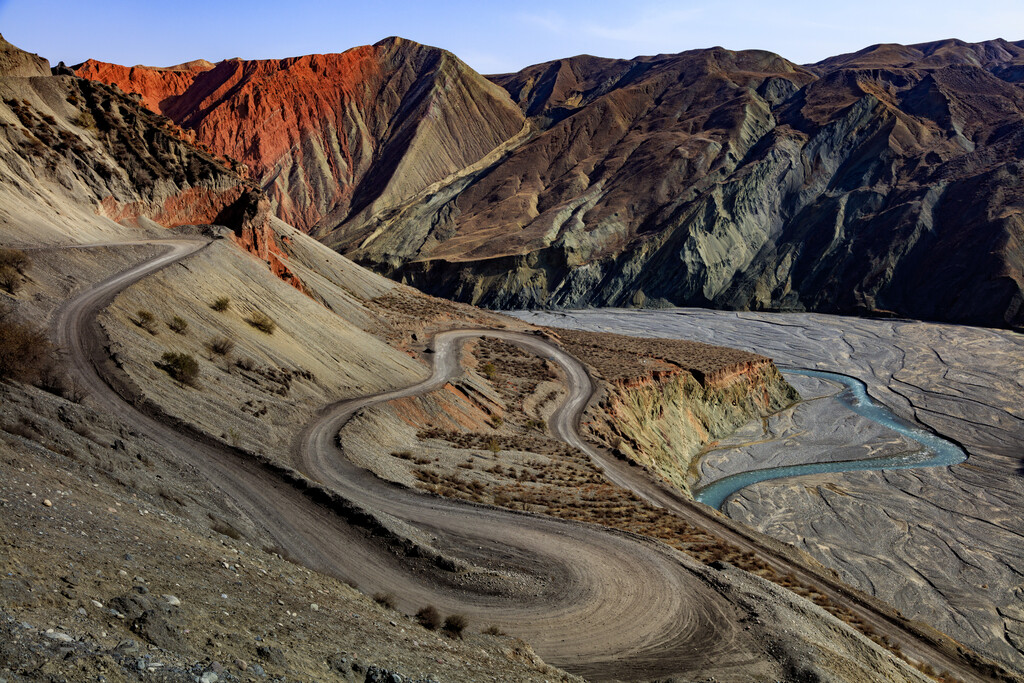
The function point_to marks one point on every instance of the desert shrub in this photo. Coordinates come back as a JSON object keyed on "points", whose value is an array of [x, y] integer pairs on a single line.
{"points": [[55, 379], [384, 600], [247, 364], [538, 424], [180, 366], [490, 372], [10, 280], [454, 625], [497, 421], [222, 346], [146, 320], [84, 120], [493, 446], [178, 324], [261, 321], [16, 259], [493, 630], [221, 304], [429, 618], [25, 352]]}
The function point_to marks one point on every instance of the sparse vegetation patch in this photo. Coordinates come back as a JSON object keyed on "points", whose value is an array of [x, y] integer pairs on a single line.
{"points": [[454, 625], [262, 322], [178, 324], [146, 320], [181, 366], [222, 346], [429, 618], [385, 600]]}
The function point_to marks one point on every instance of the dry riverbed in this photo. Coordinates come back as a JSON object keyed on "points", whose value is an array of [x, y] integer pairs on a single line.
{"points": [[946, 545]]}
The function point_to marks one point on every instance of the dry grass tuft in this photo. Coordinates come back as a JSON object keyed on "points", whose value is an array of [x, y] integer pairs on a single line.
{"points": [[262, 322]]}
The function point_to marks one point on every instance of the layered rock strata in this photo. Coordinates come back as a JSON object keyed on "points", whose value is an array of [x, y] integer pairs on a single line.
{"points": [[329, 136], [672, 398]]}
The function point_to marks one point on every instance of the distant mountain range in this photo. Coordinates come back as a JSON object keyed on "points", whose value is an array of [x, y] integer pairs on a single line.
{"points": [[888, 181]]}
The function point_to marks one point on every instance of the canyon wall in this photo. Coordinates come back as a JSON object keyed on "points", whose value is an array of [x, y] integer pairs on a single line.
{"points": [[663, 401]]}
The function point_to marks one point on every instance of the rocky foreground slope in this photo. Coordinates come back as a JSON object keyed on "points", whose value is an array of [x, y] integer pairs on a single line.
{"points": [[885, 181]]}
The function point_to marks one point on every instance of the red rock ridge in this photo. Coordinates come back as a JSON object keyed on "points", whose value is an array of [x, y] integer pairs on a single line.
{"points": [[159, 87], [729, 374], [250, 218], [192, 206], [329, 134], [717, 379]]}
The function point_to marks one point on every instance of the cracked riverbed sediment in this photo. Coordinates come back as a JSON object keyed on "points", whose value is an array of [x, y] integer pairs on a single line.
{"points": [[944, 545]]}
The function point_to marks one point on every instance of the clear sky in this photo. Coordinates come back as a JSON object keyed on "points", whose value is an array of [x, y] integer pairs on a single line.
{"points": [[493, 37]]}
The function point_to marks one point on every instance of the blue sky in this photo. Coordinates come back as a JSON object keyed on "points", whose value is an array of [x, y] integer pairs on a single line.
{"points": [[493, 37]]}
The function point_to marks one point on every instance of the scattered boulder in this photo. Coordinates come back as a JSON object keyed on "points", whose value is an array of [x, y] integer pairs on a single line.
{"points": [[272, 655]]}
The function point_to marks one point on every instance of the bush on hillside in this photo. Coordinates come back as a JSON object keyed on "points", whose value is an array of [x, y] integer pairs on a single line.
{"points": [[10, 280], [222, 346], [16, 259], [181, 366], [429, 618], [146, 320], [454, 625], [178, 324], [262, 322], [25, 352], [384, 600], [26, 355]]}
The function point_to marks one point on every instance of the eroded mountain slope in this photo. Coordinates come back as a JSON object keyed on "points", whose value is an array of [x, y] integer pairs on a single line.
{"points": [[331, 135], [881, 181], [77, 155], [264, 359], [884, 182]]}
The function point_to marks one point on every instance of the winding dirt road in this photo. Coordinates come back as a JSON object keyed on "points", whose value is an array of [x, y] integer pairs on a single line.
{"points": [[591, 600]]}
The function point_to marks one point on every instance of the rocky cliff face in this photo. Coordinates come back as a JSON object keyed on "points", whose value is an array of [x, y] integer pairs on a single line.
{"points": [[663, 421], [665, 400], [331, 137], [883, 181], [80, 145]]}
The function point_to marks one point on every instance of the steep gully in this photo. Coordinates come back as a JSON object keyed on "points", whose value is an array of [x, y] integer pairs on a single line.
{"points": [[646, 613]]}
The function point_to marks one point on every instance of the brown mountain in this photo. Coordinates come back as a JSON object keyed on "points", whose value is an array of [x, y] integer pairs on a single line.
{"points": [[331, 135], [884, 181], [75, 153]]}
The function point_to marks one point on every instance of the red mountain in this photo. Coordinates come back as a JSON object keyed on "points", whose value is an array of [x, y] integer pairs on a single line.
{"points": [[331, 135]]}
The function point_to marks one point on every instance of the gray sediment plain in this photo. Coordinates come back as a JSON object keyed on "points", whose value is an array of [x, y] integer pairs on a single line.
{"points": [[944, 545], [820, 428]]}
